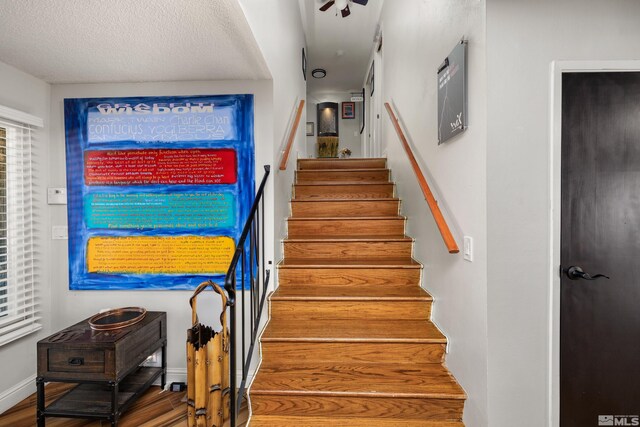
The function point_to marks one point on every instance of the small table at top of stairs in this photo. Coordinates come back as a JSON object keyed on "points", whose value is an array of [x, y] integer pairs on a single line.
{"points": [[328, 146], [104, 363]]}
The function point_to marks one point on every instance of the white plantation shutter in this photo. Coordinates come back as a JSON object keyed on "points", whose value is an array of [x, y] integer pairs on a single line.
{"points": [[19, 302]]}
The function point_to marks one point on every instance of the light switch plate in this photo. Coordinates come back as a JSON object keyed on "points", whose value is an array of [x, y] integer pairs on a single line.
{"points": [[57, 196], [468, 248], [59, 232]]}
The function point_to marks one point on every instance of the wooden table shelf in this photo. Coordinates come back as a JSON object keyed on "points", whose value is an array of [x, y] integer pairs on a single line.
{"points": [[93, 400]]}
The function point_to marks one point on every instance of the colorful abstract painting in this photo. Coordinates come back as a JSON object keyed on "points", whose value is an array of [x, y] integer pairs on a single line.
{"points": [[158, 189]]}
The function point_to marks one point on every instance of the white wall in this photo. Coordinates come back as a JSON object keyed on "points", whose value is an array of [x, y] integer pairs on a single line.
{"points": [[73, 306], [349, 129], [312, 117], [277, 27], [523, 38], [18, 368], [418, 35]]}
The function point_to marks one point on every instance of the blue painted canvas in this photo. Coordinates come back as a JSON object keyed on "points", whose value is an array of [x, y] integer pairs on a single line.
{"points": [[158, 189]]}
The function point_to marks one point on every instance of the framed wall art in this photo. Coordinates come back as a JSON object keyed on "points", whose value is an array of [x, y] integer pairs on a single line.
{"points": [[452, 94], [348, 110], [158, 189]]}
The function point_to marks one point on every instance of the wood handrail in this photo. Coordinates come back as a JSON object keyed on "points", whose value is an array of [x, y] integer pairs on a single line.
{"points": [[292, 137], [445, 231]]}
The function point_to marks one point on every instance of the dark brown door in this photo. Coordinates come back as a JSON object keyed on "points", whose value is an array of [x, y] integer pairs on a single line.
{"points": [[600, 319]]}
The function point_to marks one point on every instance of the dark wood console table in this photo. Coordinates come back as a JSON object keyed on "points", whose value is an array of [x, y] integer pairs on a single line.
{"points": [[105, 364]]}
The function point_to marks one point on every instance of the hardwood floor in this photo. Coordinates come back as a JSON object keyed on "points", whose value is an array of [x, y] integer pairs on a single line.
{"points": [[153, 409]]}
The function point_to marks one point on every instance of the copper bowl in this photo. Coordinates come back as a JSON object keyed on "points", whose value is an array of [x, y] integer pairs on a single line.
{"points": [[117, 318]]}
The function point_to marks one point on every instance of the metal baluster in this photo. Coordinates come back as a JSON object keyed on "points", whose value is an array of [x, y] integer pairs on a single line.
{"points": [[251, 250], [264, 279], [259, 265], [232, 352], [244, 354]]}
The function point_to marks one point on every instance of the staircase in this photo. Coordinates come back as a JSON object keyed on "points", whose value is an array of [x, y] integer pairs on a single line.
{"points": [[350, 342]]}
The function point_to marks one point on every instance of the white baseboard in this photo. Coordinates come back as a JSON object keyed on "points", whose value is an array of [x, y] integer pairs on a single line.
{"points": [[176, 375], [180, 375], [11, 397]]}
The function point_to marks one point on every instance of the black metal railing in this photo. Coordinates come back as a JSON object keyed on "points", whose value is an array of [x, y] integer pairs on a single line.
{"points": [[248, 265]]}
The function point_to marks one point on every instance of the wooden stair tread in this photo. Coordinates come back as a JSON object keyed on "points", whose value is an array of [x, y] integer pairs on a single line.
{"points": [[304, 421], [362, 292], [376, 199], [347, 218], [343, 170], [347, 238], [396, 331], [335, 207], [358, 380], [337, 159], [341, 183], [327, 182], [342, 263], [324, 183]]}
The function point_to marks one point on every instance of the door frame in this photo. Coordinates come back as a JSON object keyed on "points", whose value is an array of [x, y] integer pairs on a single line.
{"points": [[371, 141], [555, 149], [376, 102]]}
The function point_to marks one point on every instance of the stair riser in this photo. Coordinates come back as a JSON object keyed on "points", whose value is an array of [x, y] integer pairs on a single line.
{"points": [[371, 310], [347, 192], [315, 176], [372, 407], [340, 352], [354, 227], [349, 276], [347, 250], [305, 164], [358, 208]]}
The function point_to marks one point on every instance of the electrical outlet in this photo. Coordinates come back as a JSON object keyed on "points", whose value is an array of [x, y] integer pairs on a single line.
{"points": [[59, 232], [57, 196], [468, 248]]}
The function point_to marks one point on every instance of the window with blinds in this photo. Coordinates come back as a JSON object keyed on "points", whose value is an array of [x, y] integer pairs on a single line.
{"points": [[19, 307]]}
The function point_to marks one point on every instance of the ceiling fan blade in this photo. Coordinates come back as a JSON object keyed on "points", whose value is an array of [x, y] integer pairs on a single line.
{"points": [[362, 2], [327, 5], [345, 12]]}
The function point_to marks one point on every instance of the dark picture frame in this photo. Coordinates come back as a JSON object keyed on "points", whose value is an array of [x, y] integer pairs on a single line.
{"points": [[304, 65], [348, 110], [372, 77]]}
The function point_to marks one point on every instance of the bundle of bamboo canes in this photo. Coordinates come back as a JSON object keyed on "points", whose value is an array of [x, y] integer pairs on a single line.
{"points": [[207, 367]]}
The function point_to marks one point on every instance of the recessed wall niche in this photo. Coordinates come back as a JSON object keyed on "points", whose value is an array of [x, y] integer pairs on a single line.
{"points": [[328, 119]]}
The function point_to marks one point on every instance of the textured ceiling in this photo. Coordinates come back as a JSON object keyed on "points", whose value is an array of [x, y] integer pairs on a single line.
{"points": [[87, 41], [327, 34]]}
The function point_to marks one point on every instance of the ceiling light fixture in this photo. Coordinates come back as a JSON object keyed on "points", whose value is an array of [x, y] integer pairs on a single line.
{"points": [[319, 73], [342, 6]]}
